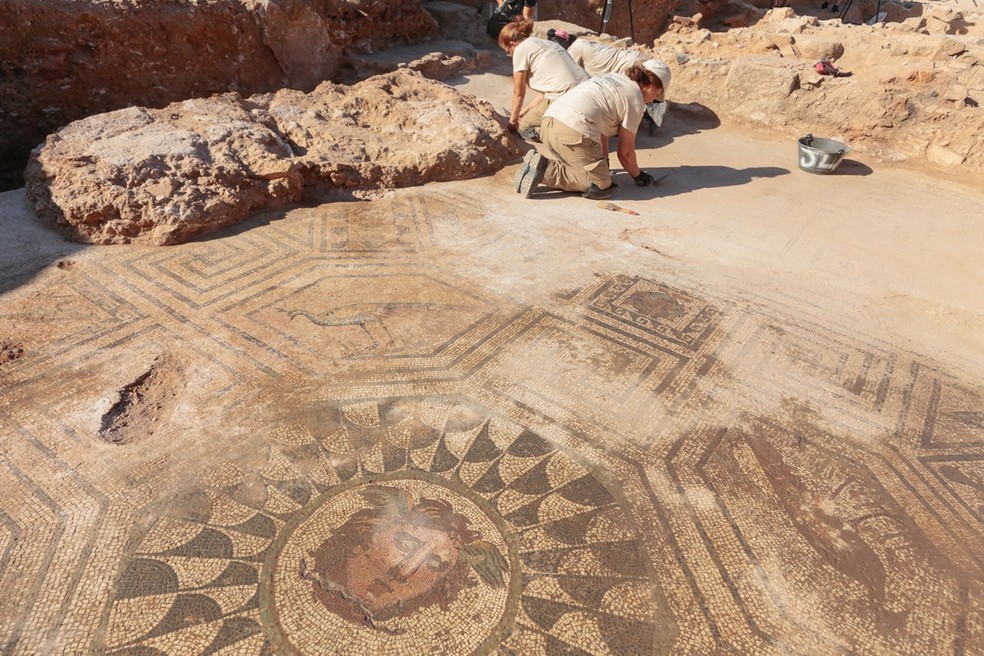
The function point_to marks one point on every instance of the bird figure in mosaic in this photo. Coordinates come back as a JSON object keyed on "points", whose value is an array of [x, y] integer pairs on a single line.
{"points": [[360, 314]]}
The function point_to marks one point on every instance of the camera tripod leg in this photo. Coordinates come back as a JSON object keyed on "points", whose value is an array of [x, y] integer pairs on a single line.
{"points": [[606, 16]]}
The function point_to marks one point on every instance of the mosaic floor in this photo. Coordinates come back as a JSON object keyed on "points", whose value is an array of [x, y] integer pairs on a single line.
{"points": [[337, 431]]}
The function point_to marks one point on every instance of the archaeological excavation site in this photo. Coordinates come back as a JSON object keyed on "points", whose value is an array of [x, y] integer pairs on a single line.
{"points": [[357, 327]]}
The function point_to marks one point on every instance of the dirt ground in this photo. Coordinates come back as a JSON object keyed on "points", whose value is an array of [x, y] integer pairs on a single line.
{"points": [[752, 415], [735, 207]]}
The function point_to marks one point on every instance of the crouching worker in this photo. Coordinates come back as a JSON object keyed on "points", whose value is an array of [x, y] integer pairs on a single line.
{"points": [[543, 66], [576, 128]]}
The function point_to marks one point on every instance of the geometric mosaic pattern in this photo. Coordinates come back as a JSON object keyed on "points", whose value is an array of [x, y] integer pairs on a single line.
{"points": [[493, 527], [379, 447]]}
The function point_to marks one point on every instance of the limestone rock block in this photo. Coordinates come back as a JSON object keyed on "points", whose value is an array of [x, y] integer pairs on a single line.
{"points": [[944, 20], [970, 61], [944, 156], [912, 25], [164, 176], [760, 44], [922, 77], [787, 46], [779, 14], [817, 49], [760, 77], [952, 48], [784, 19], [955, 93], [736, 20]]}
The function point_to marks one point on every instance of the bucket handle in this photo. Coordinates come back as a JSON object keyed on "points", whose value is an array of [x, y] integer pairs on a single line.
{"points": [[808, 142]]}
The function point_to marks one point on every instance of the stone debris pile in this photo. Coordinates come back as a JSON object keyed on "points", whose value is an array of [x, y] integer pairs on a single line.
{"points": [[164, 176], [914, 92]]}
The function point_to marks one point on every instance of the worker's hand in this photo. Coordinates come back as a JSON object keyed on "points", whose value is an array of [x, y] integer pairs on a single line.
{"points": [[513, 127], [643, 179]]}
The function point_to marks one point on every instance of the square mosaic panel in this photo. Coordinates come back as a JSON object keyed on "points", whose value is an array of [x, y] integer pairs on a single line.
{"points": [[650, 309]]}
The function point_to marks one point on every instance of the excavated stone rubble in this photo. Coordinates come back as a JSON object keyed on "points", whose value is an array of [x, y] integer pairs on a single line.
{"points": [[913, 92], [163, 176]]}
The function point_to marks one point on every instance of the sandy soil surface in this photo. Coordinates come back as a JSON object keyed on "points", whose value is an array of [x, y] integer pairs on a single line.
{"points": [[889, 250]]}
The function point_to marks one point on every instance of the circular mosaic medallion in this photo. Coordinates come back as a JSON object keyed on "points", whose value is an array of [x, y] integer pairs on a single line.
{"points": [[403, 557], [391, 527]]}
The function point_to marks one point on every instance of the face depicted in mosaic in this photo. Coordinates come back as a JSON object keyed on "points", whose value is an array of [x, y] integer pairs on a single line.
{"points": [[398, 555], [654, 304]]}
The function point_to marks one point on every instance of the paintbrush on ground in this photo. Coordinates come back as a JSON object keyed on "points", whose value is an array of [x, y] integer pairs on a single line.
{"points": [[605, 205]]}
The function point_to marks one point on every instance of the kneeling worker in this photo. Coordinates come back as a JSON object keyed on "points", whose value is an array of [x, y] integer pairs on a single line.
{"points": [[598, 59], [576, 128]]}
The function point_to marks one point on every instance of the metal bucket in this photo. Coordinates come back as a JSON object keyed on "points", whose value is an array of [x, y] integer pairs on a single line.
{"points": [[818, 155]]}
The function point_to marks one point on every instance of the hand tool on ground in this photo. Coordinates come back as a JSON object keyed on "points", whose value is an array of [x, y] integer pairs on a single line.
{"points": [[605, 205]]}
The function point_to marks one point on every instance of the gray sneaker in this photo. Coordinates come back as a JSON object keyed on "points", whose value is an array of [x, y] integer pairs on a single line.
{"points": [[538, 166]]}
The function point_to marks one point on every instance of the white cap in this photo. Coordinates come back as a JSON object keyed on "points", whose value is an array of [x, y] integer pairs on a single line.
{"points": [[661, 70]]}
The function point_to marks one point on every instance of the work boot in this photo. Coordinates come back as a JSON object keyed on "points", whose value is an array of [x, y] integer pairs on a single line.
{"points": [[650, 124], [537, 167], [594, 193]]}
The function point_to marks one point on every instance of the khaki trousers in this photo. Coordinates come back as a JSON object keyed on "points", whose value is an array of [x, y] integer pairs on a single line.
{"points": [[576, 162], [534, 117]]}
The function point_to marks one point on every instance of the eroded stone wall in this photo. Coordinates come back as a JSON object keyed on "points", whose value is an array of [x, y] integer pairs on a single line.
{"points": [[62, 60]]}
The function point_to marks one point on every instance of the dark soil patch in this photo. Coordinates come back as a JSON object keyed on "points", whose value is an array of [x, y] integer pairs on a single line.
{"points": [[145, 404]]}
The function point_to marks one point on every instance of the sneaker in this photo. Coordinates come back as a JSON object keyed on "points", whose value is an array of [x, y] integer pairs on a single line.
{"points": [[524, 169], [594, 193], [538, 166]]}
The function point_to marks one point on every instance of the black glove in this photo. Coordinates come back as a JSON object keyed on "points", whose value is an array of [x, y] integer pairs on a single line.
{"points": [[643, 179]]}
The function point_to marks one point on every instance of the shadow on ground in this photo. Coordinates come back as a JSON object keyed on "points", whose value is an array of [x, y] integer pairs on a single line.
{"points": [[853, 167], [681, 120], [28, 245], [252, 222], [676, 180]]}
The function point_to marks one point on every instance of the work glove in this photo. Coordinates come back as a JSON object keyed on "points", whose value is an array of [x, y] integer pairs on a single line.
{"points": [[643, 179]]}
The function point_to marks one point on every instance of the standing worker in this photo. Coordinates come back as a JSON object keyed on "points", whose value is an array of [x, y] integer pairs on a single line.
{"points": [[505, 11], [529, 8], [598, 59], [576, 129], [543, 66]]}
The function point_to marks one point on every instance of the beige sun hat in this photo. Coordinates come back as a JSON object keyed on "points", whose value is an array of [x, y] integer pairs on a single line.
{"points": [[661, 70]]}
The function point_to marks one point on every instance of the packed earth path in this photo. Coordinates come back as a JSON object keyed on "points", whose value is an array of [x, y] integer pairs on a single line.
{"points": [[749, 419]]}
